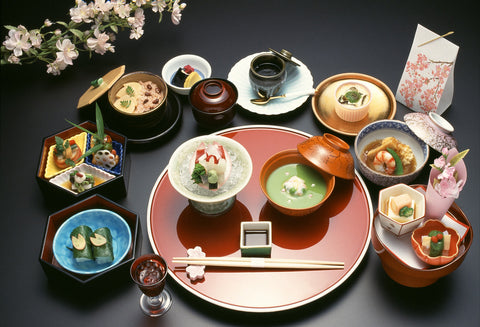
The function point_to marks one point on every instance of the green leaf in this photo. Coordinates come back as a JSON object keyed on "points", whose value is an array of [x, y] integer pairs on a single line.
{"points": [[62, 23], [114, 28], [59, 144], [77, 33], [126, 103], [91, 151], [100, 130], [198, 172], [130, 91], [458, 157], [81, 128]]}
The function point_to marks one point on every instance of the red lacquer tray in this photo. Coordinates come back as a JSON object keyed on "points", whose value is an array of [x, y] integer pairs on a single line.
{"points": [[338, 231]]}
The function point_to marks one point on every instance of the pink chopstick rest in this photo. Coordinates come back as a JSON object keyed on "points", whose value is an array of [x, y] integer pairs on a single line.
{"points": [[195, 272]]}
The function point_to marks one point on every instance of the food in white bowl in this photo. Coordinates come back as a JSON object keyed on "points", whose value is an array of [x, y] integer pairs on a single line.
{"points": [[352, 101], [233, 173], [401, 208], [186, 76], [183, 71]]}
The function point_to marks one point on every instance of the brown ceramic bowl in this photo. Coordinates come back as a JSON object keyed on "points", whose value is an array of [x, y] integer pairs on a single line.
{"points": [[134, 120], [330, 153], [288, 157], [407, 275], [213, 102]]}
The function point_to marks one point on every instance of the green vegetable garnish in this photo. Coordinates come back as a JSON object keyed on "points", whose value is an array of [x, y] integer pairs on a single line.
{"points": [[405, 212], [70, 162], [398, 162], [198, 172], [125, 103], [436, 248], [130, 91], [59, 144], [353, 95], [212, 179], [212, 176]]}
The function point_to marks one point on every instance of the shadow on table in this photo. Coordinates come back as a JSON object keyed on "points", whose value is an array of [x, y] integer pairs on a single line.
{"points": [[422, 302]]}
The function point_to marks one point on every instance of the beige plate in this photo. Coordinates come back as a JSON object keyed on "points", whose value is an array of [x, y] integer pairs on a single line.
{"points": [[383, 105]]}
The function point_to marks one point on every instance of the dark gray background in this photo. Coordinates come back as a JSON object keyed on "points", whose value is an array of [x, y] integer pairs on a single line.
{"points": [[330, 37]]}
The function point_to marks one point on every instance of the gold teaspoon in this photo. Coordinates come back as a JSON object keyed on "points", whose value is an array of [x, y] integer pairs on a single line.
{"points": [[264, 100]]}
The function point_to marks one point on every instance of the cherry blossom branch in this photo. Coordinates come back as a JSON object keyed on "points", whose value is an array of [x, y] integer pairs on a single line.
{"points": [[92, 29]]}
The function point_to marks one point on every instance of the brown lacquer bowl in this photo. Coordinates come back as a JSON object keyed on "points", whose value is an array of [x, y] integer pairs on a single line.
{"points": [[213, 102], [330, 153], [288, 157]]}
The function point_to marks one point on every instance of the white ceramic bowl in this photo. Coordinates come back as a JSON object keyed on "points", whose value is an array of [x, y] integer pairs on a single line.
{"points": [[393, 225], [351, 113], [210, 202], [384, 128], [198, 63]]}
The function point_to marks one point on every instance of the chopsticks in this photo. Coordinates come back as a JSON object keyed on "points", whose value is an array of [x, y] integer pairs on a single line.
{"points": [[254, 262], [438, 37]]}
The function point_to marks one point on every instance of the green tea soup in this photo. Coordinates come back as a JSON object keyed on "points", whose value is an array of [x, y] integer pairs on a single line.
{"points": [[296, 186]]}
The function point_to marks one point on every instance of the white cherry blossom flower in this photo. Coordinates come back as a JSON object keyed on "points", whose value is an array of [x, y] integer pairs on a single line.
{"points": [[99, 43], [136, 33], [158, 5], [103, 6], [82, 12], [67, 51], [121, 9], [139, 18], [56, 67], [140, 2], [13, 59], [17, 41], [177, 12], [36, 38]]}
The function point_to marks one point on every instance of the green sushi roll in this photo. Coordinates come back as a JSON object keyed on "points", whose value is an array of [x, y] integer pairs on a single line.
{"points": [[82, 248], [102, 247]]}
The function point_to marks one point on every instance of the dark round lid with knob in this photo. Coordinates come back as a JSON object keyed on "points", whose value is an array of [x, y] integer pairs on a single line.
{"points": [[213, 95]]}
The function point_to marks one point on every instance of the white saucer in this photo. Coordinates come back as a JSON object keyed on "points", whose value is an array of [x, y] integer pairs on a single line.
{"points": [[298, 79]]}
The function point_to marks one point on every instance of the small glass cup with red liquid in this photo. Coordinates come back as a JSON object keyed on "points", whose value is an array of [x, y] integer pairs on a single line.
{"points": [[149, 272]]}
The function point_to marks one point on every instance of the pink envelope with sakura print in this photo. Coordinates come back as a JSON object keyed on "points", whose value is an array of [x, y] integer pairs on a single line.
{"points": [[427, 80]]}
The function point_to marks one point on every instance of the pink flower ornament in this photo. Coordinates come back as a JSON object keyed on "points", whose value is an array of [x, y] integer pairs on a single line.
{"points": [[195, 272], [447, 183]]}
